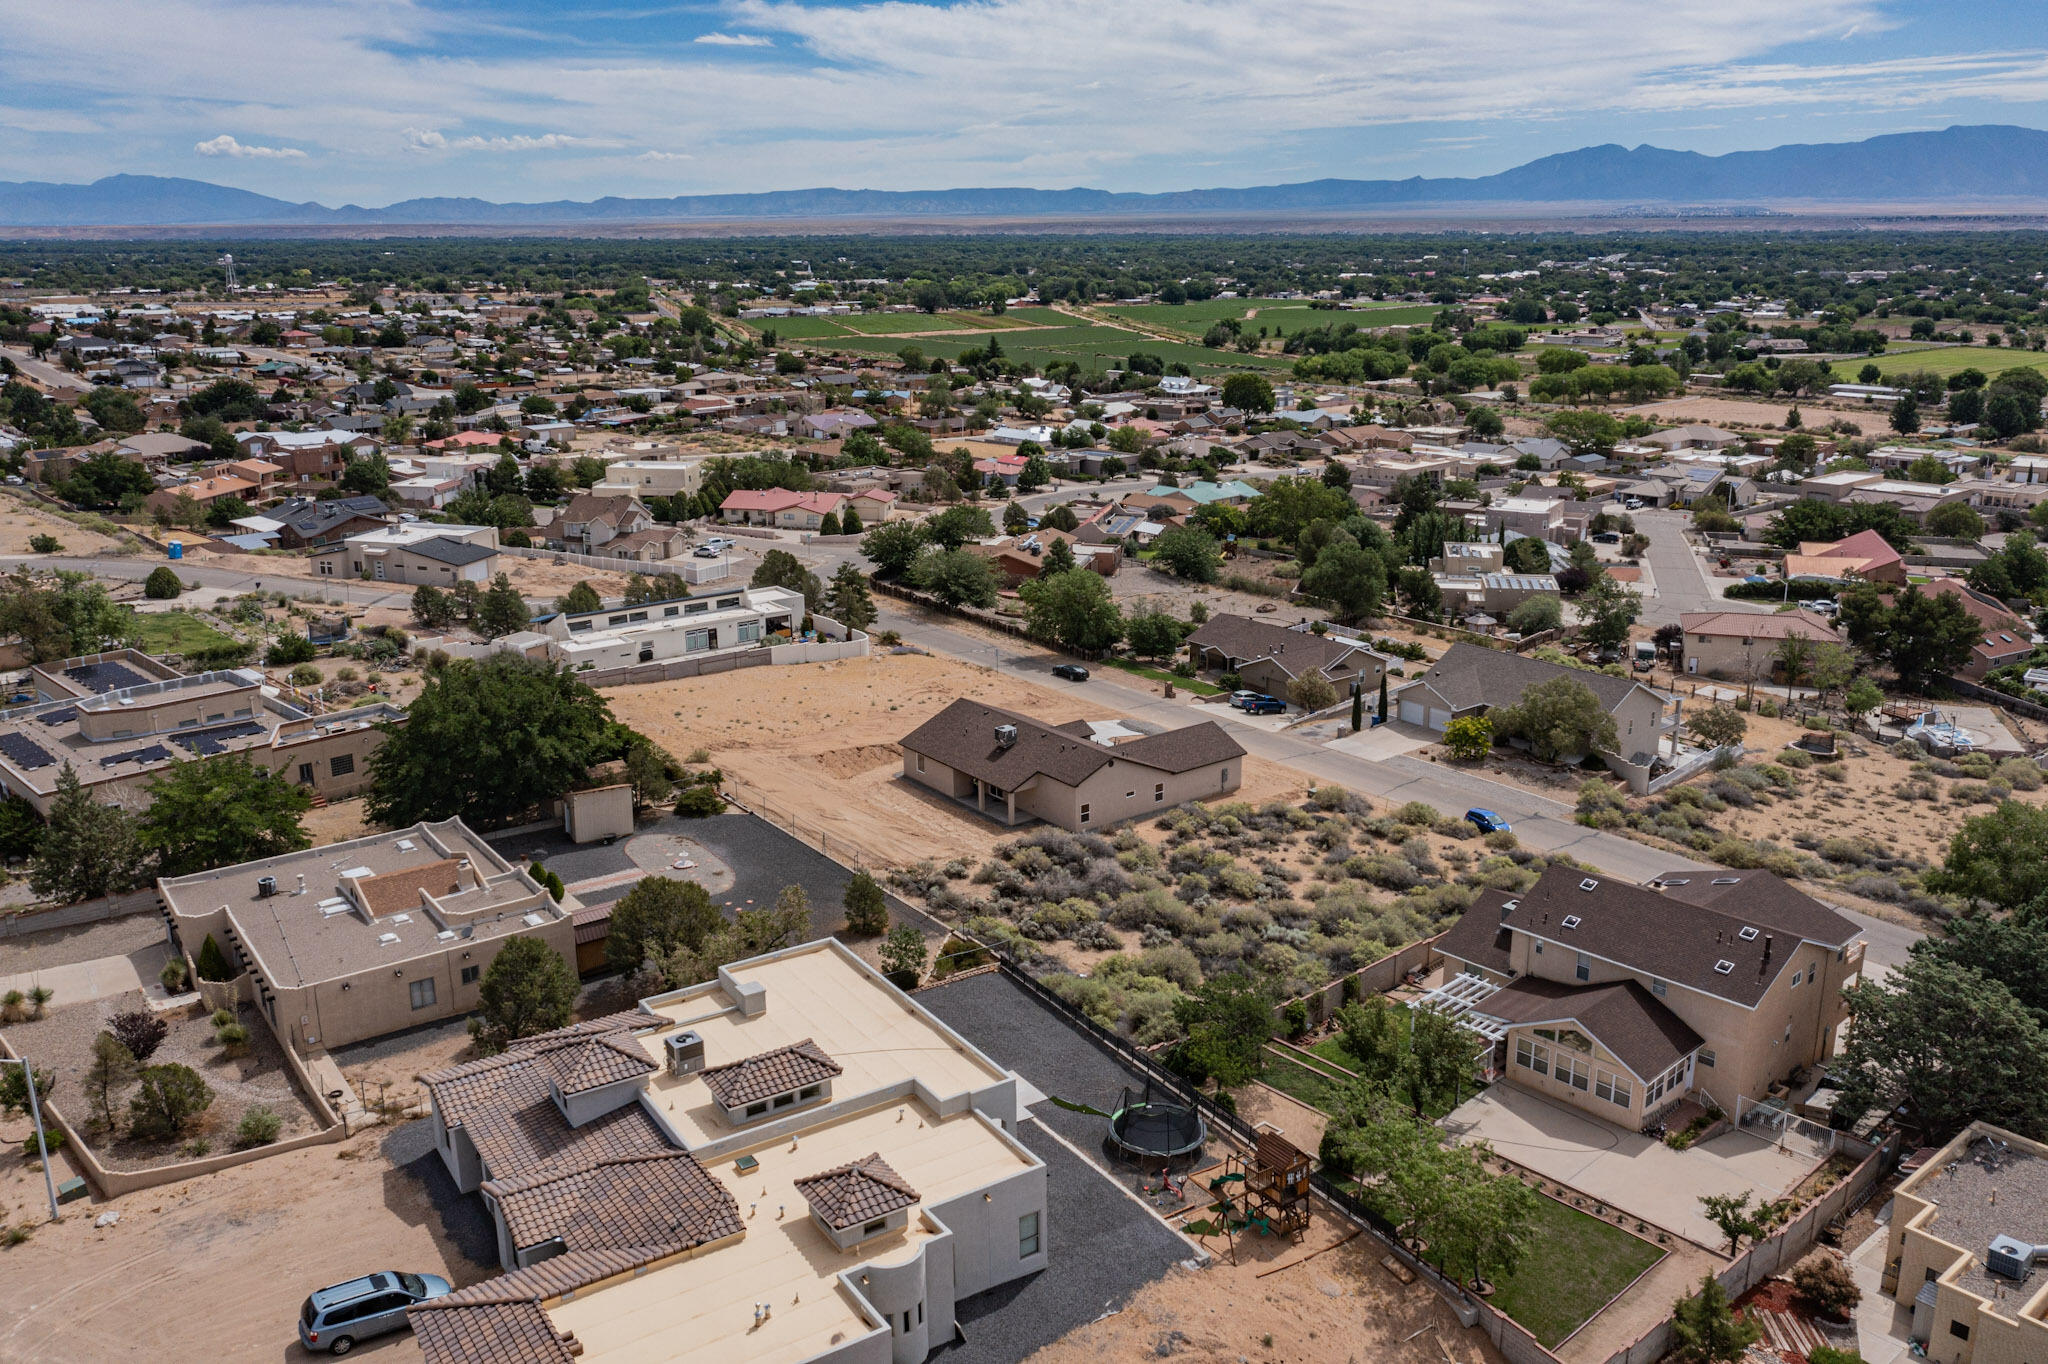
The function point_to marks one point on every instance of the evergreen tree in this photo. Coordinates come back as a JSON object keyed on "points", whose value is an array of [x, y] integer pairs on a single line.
{"points": [[88, 850], [501, 610], [1705, 1331], [848, 600], [528, 989]]}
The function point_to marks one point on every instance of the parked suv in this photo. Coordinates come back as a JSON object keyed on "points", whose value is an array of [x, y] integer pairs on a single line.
{"points": [[337, 1319], [1262, 705]]}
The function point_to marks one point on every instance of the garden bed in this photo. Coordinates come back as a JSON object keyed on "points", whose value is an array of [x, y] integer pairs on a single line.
{"points": [[1572, 1266]]}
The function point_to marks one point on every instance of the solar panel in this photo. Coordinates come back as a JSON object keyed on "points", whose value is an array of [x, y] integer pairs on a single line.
{"points": [[25, 752], [155, 753], [59, 717], [207, 742], [105, 677]]}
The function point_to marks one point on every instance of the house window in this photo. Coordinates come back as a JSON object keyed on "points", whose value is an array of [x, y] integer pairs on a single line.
{"points": [[756, 1110], [470, 974], [1027, 1236], [1573, 1071], [423, 993], [784, 1100], [341, 764], [1159, 791], [1706, 1057], [1657, 988], [1796, 978], [1541, 1063], [1084, 814], [808, 1092], [306, 774], [920, 762], [750, 630], [1584, 970], [1958, 1330]]}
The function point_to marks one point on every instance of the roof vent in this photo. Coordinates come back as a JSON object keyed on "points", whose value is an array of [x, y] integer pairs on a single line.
{"points": [[387, 940], [1006, 736], [1571, 921], [1727, 880], [1589, 884], [534, 920], [1747, 935], [1724, 967]]}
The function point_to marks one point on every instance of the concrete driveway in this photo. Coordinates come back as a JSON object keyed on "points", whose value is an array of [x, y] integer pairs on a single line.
{"points": [[1390, 740], [1629, 1171], [81, 982]]}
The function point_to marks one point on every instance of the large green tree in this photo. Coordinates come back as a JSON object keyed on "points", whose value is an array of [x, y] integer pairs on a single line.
{"points": [[657, 916], [221, 811], [1704, 1330], [487, 741], [1351, 578], [1999, 859], [501, 610], [848, 599], [1248, 393], [88, 850], [1922, 635], [1225, 1023], [780, 568], [1073, 610], [958, 577], [1948, 1043], [528, 988], [894, 546], [1189, 553], [1559, 718]]}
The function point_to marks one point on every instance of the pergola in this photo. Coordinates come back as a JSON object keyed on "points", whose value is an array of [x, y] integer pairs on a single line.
{"points": [[1460, 998]]}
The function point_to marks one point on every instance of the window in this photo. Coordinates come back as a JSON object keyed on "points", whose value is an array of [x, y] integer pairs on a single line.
{"points": [[341, 764], [784, 1100], [423, 993], [470, 974], [1707, 1057], [808, 1092], [1959, 1330], [871, 1228], [1541, 1064], [1084, 814], [1524, 1052], [749, 631], [920, 762], [1158, 791], [305, 774], [1573, 1071], [1027, 1236], [756, 1110], [669, 611], [1584, 970], [906, 1321], [1657, 987], [1796, 978]]}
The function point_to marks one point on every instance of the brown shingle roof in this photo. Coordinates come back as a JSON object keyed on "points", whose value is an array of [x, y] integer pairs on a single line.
{"points": [[1242, 639], [396, 891], [655, 1197], [857, 1192], [963, 737], [493, 1333], [1481, 935], [753, 1078], [1471, 675], [1621, 1015]]}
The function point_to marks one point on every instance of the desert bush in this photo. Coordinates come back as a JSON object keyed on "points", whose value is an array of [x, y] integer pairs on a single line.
{"points": [[1823, 1284], [1796, 758], [1416, 812], [259, 1127], [140, 1031], [2020, 774]]}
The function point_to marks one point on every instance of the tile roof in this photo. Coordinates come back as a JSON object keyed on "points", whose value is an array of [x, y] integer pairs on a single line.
{"points": [[754, 1078], [1624, 1017], [1471, 675], [655, 1197], [488, 1333], [962, 736], [594, 1062], [857, 1192]]}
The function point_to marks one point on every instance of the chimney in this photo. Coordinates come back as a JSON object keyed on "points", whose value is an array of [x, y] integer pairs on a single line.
{"points": [[1767, 955]]}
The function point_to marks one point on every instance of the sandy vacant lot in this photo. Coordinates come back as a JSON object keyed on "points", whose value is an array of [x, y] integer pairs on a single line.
{"points": [[21, 520], [216, 1267], [1733, 413], [1339, 1308], [818, 741]]}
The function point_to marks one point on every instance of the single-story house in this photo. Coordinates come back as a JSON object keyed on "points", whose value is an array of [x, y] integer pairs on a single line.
{"points": [[1471, 679], [1866, 555], [1268, 657], [1744, 644]]}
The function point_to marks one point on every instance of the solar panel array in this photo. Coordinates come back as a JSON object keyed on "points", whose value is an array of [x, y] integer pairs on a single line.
{"points": [[105, 677], [25, 752], [207, 742], [155, 753], [62, 716]]}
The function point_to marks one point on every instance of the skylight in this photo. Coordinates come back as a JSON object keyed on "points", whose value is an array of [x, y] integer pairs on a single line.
{"points": [[1589, 884], [1747, 935], [1571, 921], [1724, 967]]}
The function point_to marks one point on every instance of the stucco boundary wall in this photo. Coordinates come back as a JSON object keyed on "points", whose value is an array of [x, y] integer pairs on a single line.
{"points": [[114, 1183], [1777, 1253], [672, 568], [84, 912], [1374, 978]]}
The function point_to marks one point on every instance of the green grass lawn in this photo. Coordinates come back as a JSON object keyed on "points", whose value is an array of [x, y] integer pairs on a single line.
{"points": [[1299, 1080], [801, 328], [1573, 1263], [1947, 360], [174, 632], [1193, 684]]}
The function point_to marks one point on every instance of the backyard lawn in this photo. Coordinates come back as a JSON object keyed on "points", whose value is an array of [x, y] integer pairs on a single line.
{"points": [[174, 632], [1570, 1266], [1947, 360]]}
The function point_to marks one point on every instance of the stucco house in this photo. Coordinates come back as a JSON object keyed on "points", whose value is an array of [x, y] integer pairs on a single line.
{"points": [[1743, 645], [1269, 658], [1471, 679]]}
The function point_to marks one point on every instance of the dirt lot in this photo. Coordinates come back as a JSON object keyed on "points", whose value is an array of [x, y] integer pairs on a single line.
{"points": [[1340, 1306], [62, 1041], [216, 1267], [536, 579], [22, 519], [819, 741], [1734, 413]]}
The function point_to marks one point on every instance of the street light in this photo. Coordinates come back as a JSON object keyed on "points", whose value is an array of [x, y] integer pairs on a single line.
{"points": [[35, 1110]]}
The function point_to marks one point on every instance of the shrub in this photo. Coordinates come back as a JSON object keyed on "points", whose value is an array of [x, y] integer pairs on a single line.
{"points": [[213, 963], [47, 544], [172, 977], [1416, 812], [289, 649], [698, 802], [233, 1039], [167, 1099], [259, 1127], [223, 1017], [1824, 1285], [140, 1031], [53, 1142], [162, 584], [305, 675], [867, 912]]}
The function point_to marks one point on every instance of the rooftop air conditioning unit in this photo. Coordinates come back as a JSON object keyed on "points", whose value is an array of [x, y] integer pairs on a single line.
{"points": [[1006, 736], [266, 886], [2012, 1258], [685, 1053]]}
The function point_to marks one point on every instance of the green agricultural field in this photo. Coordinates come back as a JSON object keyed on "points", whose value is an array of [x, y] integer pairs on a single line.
{"points": [[1283, 316], [1947, 360], [1571, 1265], [801, 328], [173, 632]]}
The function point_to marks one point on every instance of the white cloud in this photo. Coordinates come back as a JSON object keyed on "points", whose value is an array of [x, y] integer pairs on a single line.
{"points": [[227, 146], [651, 155], [734, 39], [433, 140]]}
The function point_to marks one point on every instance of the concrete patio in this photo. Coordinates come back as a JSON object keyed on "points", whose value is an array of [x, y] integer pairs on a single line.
{"points": [[1635, 1173]]}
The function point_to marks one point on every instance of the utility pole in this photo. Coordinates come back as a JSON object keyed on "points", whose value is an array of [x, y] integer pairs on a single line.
{"points": [[35, 1110]]}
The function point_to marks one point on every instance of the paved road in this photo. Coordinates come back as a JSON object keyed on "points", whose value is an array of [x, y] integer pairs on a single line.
{"points": [[43, 372], [1682, 581]]}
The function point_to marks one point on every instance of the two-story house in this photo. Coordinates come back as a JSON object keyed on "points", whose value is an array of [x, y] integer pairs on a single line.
{"points": [[1622, 999], [591, 521]]}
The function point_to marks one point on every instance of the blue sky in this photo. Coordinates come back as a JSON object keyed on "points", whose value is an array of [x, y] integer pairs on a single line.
{"points": [[370, 101]]}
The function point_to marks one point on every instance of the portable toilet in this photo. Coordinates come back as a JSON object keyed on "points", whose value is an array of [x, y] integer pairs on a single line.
{"points": [[177, 549]]}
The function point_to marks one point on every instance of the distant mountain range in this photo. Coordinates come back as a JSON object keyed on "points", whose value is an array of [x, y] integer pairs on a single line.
{"points": [[1972, 164]]}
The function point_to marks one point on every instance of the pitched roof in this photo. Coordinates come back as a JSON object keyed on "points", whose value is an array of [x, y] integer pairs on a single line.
{"points": [[962, 736], [1621, 1015], [857, 1192], [488, 1333], [1481, 935], [654, 1197], [1471, 675], [1670, 936], [1867, 545], [607, 507], [1759, 625], [446, 549], [753, 1078], [591, 1063], [1244, 639]]}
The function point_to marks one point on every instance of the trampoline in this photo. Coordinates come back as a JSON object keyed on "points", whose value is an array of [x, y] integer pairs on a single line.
{"points": [[1157, 1127]]}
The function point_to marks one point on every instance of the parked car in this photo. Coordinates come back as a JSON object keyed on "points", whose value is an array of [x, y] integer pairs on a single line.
{"points": [[713, 547], [1073, 672], [1487, 822], [1608, 537], [1261, 705], [1634, 504], [1241, 696], [1825, 606], [338, 1318]]}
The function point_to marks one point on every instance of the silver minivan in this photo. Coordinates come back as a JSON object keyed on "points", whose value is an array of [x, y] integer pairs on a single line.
{"points": [[337, 1319]]}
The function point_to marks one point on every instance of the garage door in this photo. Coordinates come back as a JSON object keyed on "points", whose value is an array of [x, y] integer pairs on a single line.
{"points": [[1413, 713], [1438, 719]]}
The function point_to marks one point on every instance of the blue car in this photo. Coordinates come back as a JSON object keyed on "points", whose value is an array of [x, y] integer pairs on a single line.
{"points": [[1261, 705], [1487, 822]]}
